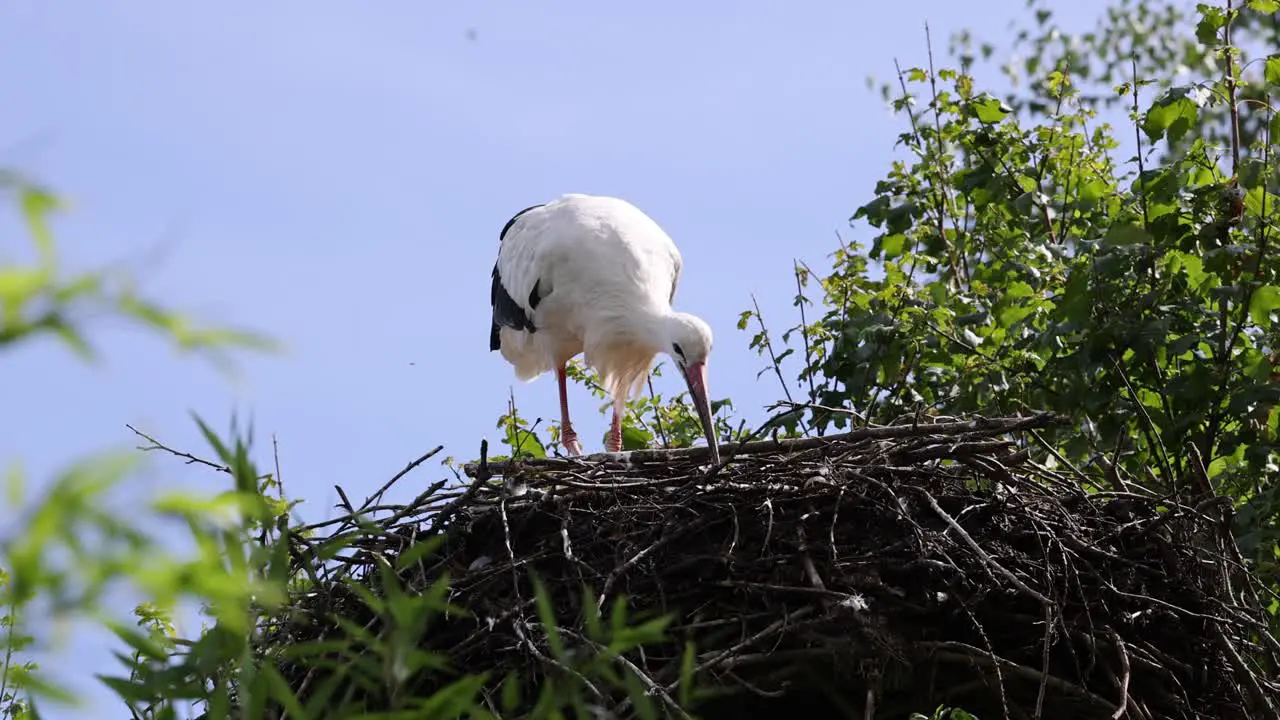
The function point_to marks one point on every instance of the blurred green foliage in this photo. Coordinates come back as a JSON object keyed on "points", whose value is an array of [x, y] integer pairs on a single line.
{"points": [[38, 297]]}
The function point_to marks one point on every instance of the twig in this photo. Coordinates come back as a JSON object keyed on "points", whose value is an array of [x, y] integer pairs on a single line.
{"points": [[1139, 186], [275, 456], [657, 413], [1245, 676], [482, 477], [653, 687], [1232, 106], [773, 358], [191, 459], [977, 549], [723, 655], [377, 496], [543, 658], [957, 651], [346, 502], [624, 567], [1124, 676], [801, 299]]}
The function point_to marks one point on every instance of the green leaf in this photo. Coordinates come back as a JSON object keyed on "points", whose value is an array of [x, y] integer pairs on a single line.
{"points": [[891, 246], [547, 614], [1019, 289], [1265, 300], [282, 693], [988, 109], [19, 285], [687, 659], [1091, 190], [419, 550], [635, 438], [1175, 113], [1264, 6], [525, 444], [1127, 234], [510, 693], [37, 205], [1271, 70], [1212, 20], [144, 645], [1192, 266], [457, 699]]}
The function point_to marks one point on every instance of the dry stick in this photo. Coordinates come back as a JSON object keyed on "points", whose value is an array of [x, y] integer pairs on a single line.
{"points": [[346, 502], [977, 549], [1044, 661], [963, 652], [1084, 479], [1124, 677], [275, 455], [191, 459], [724, 655], [482, 477], [533, 650], [1149, 428], [654, 688], [816, 406], [377, 496], [415, 504], [624, 567], [1244, 675], [636, 457]]}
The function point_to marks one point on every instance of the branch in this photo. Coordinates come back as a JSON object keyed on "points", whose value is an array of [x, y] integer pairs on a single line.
{"points": [[641, 457]]}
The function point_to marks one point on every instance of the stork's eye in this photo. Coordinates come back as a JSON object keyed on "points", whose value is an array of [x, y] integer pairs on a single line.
{"points": [[676, 347]]}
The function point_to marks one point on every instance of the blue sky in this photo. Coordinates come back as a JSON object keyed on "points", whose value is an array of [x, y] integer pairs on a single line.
{"points": [[336, 175]]}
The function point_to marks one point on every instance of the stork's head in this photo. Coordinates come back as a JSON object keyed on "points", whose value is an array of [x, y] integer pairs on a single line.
{"points": [[689, 344]]}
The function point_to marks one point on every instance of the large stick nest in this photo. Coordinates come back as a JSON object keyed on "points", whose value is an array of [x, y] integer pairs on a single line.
{"points": [[899, 567]]}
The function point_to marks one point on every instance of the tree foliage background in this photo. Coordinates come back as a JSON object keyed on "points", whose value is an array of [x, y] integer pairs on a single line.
{"points": [[1096, 241]]}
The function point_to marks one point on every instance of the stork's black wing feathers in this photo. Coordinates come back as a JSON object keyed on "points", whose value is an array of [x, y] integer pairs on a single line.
{"points": [[503, 235], [506, 311]]}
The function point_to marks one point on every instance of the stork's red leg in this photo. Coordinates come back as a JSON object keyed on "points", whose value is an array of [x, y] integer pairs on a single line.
{"points": [[614, 441], [568, 438]]}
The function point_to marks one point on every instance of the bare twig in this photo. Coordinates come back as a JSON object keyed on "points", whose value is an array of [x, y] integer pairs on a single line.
{"points": [[377, 496], [1124, 677], [977, 549]]}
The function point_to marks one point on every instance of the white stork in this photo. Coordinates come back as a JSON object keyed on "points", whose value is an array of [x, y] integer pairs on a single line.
{"points": [[595, 275]]}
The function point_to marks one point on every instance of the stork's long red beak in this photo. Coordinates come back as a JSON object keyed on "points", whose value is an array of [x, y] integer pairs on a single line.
{"points": [[696, 375]]}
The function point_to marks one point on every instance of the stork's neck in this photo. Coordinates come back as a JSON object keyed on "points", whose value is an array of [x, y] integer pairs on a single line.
{"points": [[647, 328], [662, 326]]}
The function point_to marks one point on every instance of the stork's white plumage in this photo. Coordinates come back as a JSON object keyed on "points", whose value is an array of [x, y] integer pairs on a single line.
{"points": [[595, 275]]}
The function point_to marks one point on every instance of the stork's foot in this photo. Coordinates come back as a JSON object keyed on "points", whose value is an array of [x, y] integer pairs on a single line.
{"points": [[613, 439], [613, 443], [570, 442]]}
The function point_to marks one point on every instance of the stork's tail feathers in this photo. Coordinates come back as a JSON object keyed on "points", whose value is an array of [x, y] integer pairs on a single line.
{"points": [[525, 353]]}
